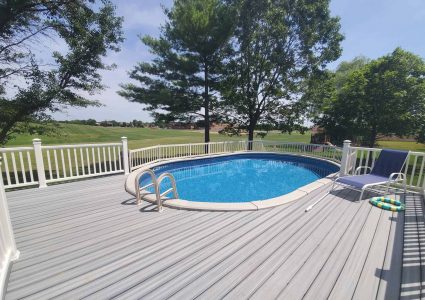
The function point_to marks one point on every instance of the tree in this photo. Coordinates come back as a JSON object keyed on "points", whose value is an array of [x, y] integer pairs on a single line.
{"points": [[179, 83], [320, 92], [277, 45], [89, 32], [384, 97]]}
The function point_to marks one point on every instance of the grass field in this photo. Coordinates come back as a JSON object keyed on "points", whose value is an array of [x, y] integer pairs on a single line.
{"points": [[137, 137], [145, 137]]}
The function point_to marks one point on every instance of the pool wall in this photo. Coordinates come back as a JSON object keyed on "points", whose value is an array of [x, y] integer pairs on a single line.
{"points": [[236, 206]]}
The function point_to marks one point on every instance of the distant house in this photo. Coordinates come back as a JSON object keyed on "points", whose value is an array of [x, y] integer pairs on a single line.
{"points": [[319, 136], [216, 127]]}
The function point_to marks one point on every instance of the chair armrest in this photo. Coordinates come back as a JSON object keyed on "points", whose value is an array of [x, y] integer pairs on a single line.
{"points": [[400, 176], [362, 167]]}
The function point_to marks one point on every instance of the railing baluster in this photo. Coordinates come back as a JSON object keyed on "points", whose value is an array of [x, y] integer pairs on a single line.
{"points": [[63, 164], [412, 175], [115, 158], [119, 158], [367, 162], [361, 159], [30, 166], [15, 171], [109, 158], [99, 166], [49, 164], [82, 162], [93, 156], [6, 168], [421, 171], [55, 155], [77, 171], [104, 160], [21, 160], [69, 161], [88, 161]]}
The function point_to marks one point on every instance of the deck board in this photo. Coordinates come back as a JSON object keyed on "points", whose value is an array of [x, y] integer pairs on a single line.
{"points": [[88, 239]]}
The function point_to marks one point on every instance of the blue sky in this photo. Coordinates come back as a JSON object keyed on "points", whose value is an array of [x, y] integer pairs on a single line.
{"points": [[371, 27]]}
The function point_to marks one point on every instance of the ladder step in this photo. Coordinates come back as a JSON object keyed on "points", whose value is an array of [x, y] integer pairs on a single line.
{"points": [[146, 186], [167, 192]]}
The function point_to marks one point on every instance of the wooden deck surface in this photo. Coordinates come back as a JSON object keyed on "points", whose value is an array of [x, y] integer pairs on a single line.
{"points": [[89, 240]]}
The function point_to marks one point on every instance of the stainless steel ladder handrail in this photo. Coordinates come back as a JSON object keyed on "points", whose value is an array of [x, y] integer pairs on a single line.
{"points": [[138, 188], [156, 182], [172, 189]]}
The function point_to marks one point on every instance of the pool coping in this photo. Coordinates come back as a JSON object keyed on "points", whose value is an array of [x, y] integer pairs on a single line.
{"points": [[219, 206]]}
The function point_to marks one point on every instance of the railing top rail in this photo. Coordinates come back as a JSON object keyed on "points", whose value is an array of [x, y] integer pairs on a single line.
{"points": [[299, 143], [188, 144], [145, 148], [195, 144], [13, 149], [417, 153], [365, 148], [80, 146], [233, 142]]}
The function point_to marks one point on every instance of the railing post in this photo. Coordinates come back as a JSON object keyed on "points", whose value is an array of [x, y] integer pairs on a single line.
{"points": [[344, 159], [125, 155], [7, 240], [39, 163]]}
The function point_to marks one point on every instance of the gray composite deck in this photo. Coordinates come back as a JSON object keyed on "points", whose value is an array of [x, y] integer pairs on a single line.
{"points": [[88, 239]]}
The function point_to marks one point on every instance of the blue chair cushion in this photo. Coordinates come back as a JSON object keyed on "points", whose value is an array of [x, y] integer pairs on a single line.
{"points": [[359, 181]]}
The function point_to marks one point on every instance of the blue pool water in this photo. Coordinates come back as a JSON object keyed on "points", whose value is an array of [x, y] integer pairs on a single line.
{"points": [[242, 178]]}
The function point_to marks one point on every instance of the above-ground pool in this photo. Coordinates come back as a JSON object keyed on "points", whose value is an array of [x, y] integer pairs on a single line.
{"points": [[241, 178]]}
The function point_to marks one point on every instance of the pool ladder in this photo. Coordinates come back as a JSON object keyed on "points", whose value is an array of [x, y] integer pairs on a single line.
{"points": [[156, 183]]}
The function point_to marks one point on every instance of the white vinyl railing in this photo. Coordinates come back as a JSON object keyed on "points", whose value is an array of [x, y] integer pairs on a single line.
{"points": [[8, 251], [77, 161], [323, 151], [18, 166], [39, 165], [139, 157], [413, 169]]}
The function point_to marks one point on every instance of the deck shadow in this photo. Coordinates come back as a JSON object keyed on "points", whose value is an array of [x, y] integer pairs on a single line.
{"points": [[131, 201], [405, 275], [150, 207]]}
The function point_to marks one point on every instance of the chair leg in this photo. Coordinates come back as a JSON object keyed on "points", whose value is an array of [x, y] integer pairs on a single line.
{"points": [[388, 188], [361, 195], [320, 199]]}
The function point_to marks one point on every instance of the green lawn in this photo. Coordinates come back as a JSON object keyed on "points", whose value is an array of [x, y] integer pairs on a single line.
{"points": [[137, 137], [402, 145], [145, 137]]}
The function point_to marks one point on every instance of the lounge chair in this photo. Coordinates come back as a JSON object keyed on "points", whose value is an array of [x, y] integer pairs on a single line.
{"points": [[387, 169]]}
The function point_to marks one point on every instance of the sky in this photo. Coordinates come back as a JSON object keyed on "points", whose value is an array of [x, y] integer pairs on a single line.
{"points": [[371, 28]]}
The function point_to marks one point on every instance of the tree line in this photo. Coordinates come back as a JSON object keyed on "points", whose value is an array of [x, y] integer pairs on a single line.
{"points": [[109, 123], [366, 100], [242, 62], [253, 63]]}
